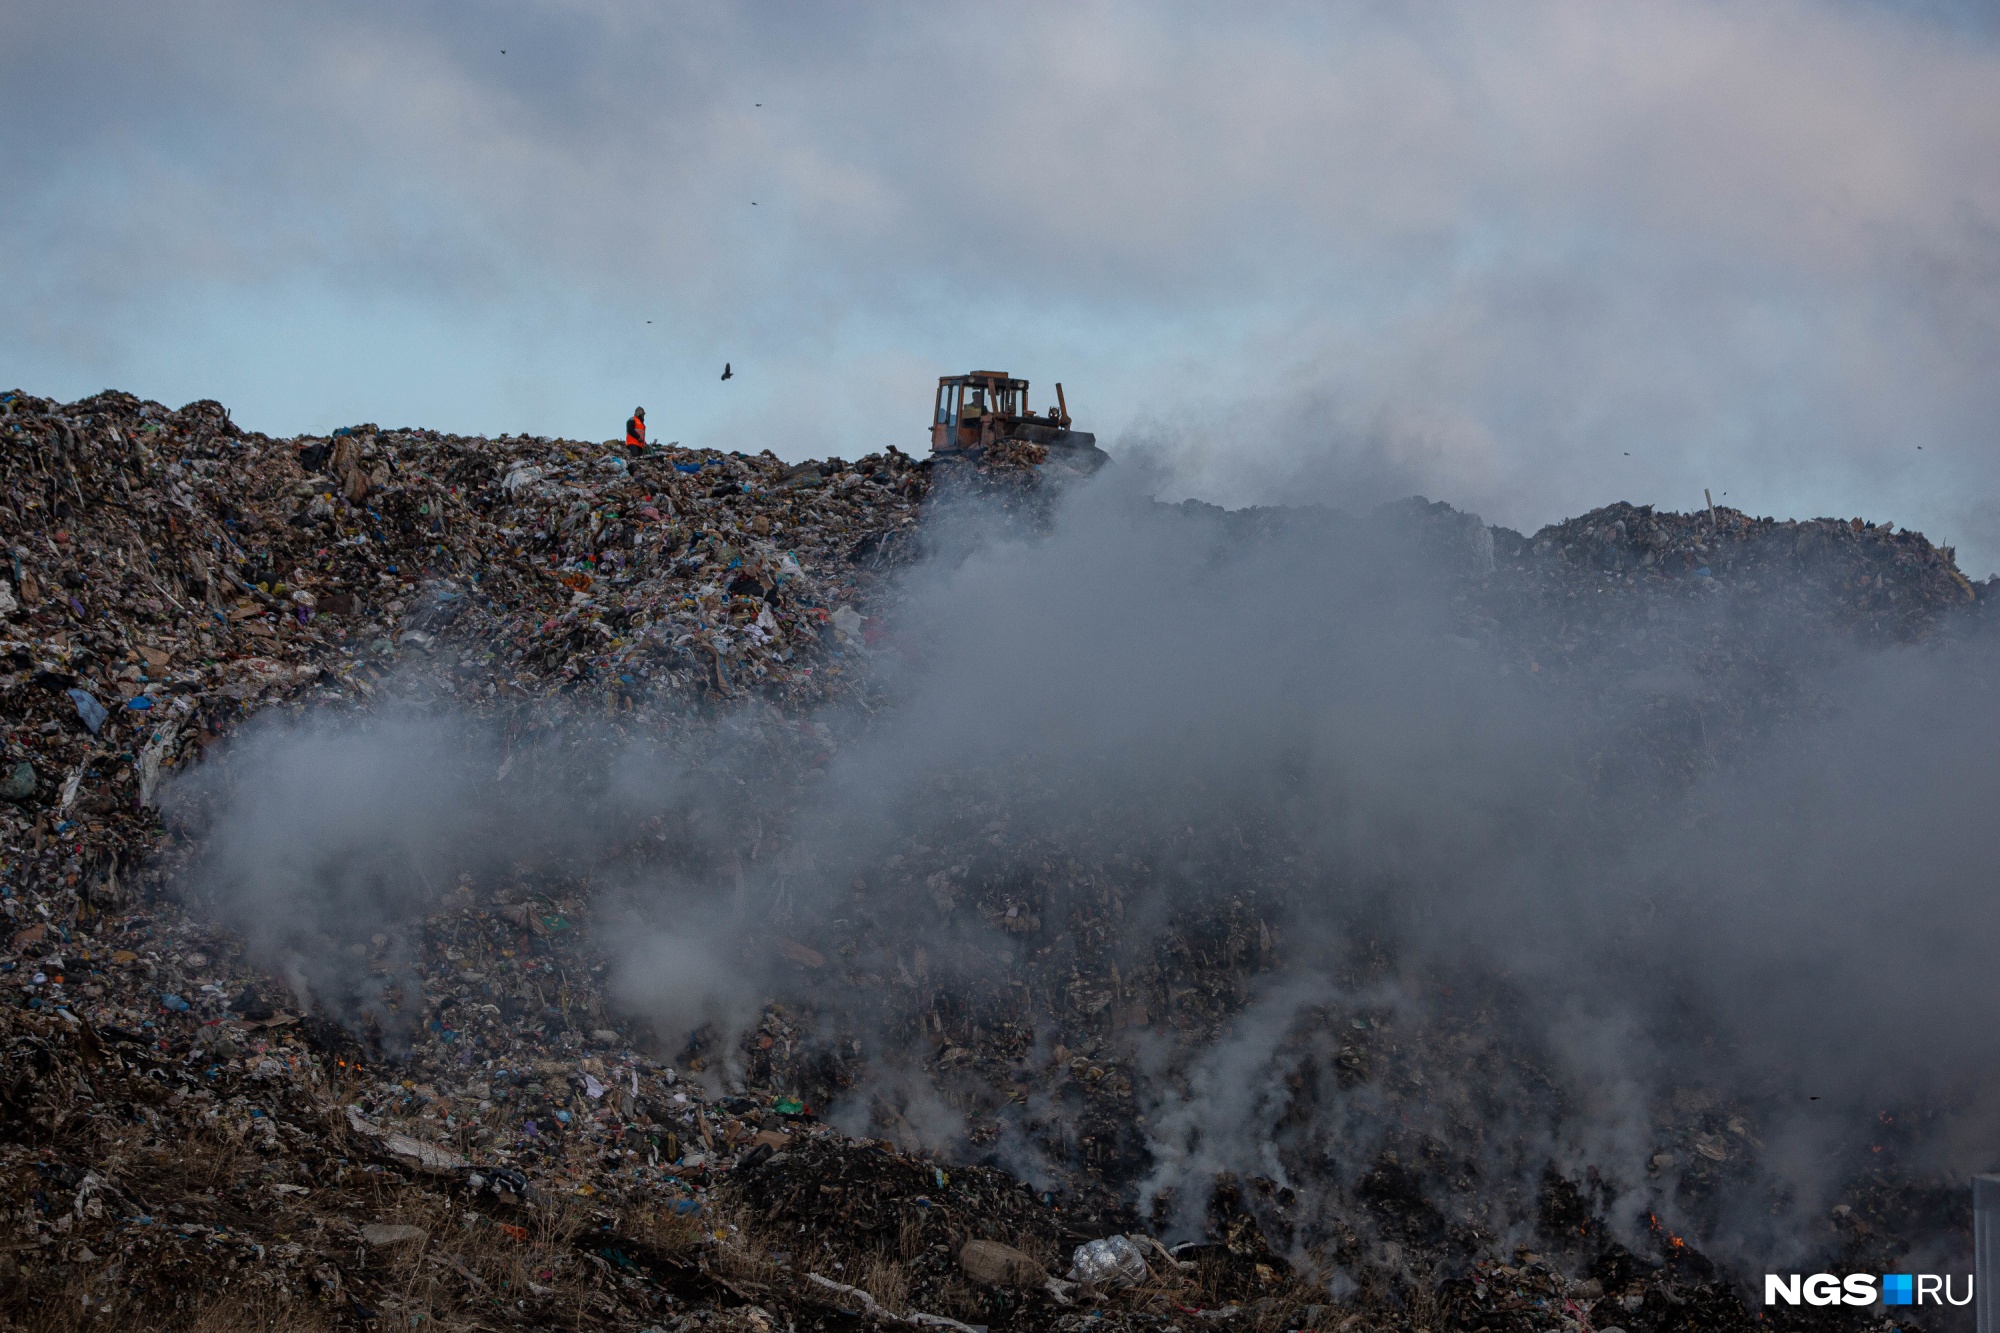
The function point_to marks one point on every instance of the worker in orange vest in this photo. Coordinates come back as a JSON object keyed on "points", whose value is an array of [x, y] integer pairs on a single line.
{"points": [[635, 431]]}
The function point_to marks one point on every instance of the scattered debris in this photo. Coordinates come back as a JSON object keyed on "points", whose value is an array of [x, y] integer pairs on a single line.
{"points": [[172, 1105], [383, 1235], [1111, 1262]]}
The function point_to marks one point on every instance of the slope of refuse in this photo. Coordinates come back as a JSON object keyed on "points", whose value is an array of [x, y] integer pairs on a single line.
{"points": [[467, 1125]]}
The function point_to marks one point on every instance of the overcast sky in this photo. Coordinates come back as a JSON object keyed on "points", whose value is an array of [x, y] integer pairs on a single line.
{"points": [[1528, 258]]}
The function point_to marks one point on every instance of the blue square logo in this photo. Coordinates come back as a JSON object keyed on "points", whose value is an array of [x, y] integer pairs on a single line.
{"points": [[1896, 1288]]}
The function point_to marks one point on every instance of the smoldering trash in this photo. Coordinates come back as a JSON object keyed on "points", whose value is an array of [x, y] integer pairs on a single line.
{"points": [[479, 883]]}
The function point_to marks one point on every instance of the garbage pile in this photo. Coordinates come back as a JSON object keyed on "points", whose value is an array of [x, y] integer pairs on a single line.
{"points": [[170, 573], [1881, 582], [1823, 584], [188, 1141]]}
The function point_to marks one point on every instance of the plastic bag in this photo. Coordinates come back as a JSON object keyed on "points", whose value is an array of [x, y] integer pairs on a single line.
{"points": [[1112, 1262]]}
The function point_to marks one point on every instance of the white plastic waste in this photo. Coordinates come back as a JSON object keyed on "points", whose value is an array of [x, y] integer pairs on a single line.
{"points": [[1112, 1262]]}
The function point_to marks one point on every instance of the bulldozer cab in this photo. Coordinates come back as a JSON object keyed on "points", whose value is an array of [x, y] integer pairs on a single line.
{"points": [[974, 411], [985, 405], [970, 407]]}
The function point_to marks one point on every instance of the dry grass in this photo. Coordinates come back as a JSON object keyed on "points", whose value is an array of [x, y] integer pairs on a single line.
{"points": [[1042, 1251], [911, 1239], [664, 1227], [885, 1279], [957, 1297], [480, 1260], [77, 1304], [743, 1257], [271, 1313]]}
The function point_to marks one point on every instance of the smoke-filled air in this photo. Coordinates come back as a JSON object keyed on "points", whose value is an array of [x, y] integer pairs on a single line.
{"points": [[1423, 762]]}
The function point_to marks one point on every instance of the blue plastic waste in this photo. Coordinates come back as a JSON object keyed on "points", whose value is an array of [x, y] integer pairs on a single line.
{"points": [[87, 708]]}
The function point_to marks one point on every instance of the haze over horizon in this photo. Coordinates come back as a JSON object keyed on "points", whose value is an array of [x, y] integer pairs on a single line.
{"points": [[1527, 261]]}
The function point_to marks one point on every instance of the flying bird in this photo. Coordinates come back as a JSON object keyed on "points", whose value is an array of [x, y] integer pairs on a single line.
{"points": [[726, 371]]}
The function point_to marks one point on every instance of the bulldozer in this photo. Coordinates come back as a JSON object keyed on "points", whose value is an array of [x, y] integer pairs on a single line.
{"points": [[976, 410]]}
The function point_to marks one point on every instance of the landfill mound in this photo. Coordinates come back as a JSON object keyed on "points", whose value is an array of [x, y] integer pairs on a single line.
{"points": [[450, 1116]]}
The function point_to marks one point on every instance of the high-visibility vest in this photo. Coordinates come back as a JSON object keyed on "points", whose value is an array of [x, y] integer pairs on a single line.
{"points": [[635, 433]]}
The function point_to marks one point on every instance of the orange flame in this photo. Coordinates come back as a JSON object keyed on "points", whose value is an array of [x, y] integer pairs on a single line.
{"points": [[1673, 1242]]}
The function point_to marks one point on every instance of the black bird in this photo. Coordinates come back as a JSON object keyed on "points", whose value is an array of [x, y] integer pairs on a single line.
{"points": [[726, 371], [503, 50]]}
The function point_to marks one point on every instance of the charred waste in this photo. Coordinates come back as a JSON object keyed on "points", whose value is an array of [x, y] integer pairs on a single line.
{"points": [[500, 883]]}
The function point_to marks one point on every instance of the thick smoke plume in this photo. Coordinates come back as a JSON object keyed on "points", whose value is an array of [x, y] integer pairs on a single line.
{"points": [[1490, 912]]}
